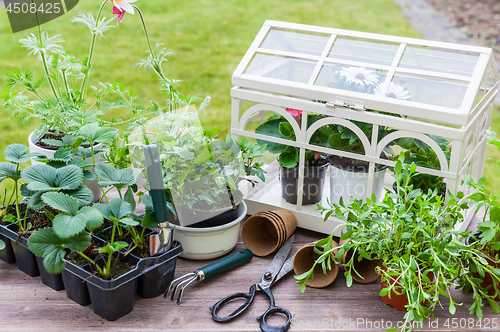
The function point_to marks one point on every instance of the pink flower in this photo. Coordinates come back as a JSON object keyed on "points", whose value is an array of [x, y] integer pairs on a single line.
{"points": [[297, 114], [317, 155], [122, 6], [120, 14]]}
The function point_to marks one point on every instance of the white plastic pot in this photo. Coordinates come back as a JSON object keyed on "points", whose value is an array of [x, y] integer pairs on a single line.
{"points": [[210, 242], [92, 185], [345, 183]]}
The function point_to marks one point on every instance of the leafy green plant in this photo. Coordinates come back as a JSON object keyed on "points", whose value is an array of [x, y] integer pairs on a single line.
{"points": [[43, 179], [489, 237], [420, 153], [15, 154], [60, 99], [279, 127], [413, 233]]}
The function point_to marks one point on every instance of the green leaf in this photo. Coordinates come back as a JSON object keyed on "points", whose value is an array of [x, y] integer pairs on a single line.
{"points": [[289, 158], [18, 154], [45, 243], [119, 208], [110, 176], [69, 177], [129, 198], [94, 217], [79, 242], [8, 170], [44, 177], [94, 133], [104, 209], [83, 195], [67, 226], [286, 130], [61, 202]]}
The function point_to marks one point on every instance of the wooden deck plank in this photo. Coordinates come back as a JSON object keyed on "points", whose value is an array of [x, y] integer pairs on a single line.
{"points": [[28, 305]]}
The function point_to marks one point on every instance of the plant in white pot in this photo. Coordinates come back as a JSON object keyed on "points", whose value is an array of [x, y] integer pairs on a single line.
{"points": [[63, 100], [201, 174]]}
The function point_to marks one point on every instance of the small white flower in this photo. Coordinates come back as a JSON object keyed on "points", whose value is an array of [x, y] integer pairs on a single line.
{"points": [[359, 75], [124, 5], [393, 91]]}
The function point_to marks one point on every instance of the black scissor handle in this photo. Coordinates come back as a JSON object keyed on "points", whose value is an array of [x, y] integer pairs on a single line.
{"points": [[216, 307], [271, 311]]}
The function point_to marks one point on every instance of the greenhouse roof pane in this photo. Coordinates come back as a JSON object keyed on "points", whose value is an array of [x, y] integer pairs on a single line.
{"points": [[363, 50], [295, 41], [439, 60]]}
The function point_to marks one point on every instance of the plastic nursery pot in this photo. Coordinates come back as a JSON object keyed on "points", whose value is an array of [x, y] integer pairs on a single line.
{"points": [[26, 260], [158, 272], [210, 242], [92, 185], [112, 299], [74, 281], [7, 253], [397, 301], [314, 179], [54, 281], [487, 279], [348, 182], [366, 268], [304, 260]]}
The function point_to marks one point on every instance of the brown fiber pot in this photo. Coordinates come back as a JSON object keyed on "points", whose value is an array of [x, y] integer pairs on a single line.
{"points": [[366, 268], [304, 260]]}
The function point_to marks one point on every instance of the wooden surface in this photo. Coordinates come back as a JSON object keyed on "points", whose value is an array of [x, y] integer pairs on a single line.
{"points": [[28, 305]]}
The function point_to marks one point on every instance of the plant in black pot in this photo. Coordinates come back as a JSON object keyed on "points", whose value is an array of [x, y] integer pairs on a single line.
{"points": [[16, 217], [110, 276], [315, 165], [413, 234]]}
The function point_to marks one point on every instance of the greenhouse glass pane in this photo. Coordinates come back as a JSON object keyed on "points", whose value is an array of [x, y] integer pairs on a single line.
{"points": [[295, 41], [439, 92], [363, 50], [439, 60], [279, 67], [357, 79]]}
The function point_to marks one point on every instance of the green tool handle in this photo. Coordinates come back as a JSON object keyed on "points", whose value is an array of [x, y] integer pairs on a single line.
{"points": [[227, 263]]}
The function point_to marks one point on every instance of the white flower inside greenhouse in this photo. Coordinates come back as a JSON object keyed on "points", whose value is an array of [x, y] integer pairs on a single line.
{"points": [[393, 91], [359, 75]]}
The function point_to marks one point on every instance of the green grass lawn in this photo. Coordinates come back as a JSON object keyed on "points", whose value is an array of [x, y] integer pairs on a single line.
{"points": [[208, 38]]}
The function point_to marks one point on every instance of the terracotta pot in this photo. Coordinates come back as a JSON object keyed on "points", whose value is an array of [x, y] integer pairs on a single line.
{"points": [[487, 280], [398, 302]]}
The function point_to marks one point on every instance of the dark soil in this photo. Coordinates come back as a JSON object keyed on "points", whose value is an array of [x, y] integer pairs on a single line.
{"points": [[54, 136], [37, 219], [118, 267], [353, 165], [479, 19]]}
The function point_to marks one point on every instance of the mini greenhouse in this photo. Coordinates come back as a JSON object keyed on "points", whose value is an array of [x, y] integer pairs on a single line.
{"points": [[312, 92]]}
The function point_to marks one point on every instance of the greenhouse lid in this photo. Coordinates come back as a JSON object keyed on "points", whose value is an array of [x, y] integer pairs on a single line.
{"points": [[428, 80]]}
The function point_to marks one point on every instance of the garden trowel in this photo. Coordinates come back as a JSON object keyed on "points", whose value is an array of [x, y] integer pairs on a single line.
{"points": [[161, 242]]}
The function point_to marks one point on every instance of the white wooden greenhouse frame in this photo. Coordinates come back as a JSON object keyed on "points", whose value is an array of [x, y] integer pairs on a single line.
{"points": [[452, 96]]}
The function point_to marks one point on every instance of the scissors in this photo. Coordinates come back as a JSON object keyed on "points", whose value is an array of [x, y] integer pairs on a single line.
{"points": [[276, 270]]}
